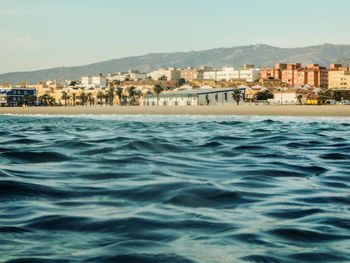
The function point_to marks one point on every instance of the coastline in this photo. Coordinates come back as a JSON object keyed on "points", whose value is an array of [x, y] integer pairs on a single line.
{"points": [[261, 110]]}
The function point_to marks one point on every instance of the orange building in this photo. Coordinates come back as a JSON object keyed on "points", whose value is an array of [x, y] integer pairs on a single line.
{"points": [[294, 74], [273, 73]]}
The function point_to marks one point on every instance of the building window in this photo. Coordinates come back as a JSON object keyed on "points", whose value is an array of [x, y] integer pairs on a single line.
{"points": [[216, 97], [225, 96]]}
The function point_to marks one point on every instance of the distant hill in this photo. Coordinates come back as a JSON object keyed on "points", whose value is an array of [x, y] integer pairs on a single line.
{"points": [[259, 55], [344, 61]]}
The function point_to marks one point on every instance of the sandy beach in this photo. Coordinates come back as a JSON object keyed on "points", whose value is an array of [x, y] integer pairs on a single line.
{"points": [[263, 110]]}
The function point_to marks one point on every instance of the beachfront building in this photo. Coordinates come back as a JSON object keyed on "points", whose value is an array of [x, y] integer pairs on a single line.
{"points": [[165, 74], [131, 75], [93, 81], [339, 78], [206, 95], [15, 96], [288, 96]]}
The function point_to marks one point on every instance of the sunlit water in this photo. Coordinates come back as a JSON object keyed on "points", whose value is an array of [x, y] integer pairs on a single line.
{"points": [[174, 189]]}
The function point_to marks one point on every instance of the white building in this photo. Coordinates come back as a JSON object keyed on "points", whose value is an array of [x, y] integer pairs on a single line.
{"points": [[227, 73], [133, 75], [210, 74], [169, 74], [93, 81]]}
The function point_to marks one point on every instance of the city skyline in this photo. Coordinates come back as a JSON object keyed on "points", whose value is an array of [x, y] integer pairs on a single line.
{"points": [[40, 34]]}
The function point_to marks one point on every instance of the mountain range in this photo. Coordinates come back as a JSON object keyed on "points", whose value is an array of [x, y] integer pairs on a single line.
{"points": [[259, 55]]}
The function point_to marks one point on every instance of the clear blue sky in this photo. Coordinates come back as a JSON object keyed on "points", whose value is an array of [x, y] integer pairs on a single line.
{"points": [[36, 34]]}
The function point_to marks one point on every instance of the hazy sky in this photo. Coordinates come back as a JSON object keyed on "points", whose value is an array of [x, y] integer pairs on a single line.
{"points": [[36, 34]]}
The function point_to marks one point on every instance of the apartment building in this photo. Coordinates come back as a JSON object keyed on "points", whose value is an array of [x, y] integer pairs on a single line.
{"points": [[339, 79], [191, 73], [248, 73], [295, 74], [273, 73]]}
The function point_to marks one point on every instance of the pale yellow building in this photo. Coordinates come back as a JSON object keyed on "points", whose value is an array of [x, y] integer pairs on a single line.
{"points": [[339, 79]]}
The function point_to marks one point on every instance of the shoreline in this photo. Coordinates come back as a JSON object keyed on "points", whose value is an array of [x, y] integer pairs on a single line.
{"points": [[261, 110]]}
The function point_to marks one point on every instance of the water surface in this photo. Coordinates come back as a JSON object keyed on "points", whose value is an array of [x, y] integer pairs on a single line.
{"points": [[174, 189]]}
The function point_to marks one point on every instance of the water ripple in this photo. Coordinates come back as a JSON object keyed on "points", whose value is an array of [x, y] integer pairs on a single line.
{"points": [[189, 189]]}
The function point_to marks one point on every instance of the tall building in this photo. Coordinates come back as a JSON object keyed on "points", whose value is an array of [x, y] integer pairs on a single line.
{"points": [[339, 77], [295, 74]]}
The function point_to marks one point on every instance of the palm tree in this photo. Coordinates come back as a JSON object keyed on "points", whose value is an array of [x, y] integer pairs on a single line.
{"points": [[65, 97], [132, 93], [74, 98], [100, 97], [51, 100], [119, 93], [44, 99], [110, 95], [157, 89], [83, 98], [124, 100], [8, 100], [89, 96], [236, 95], [32, 99], [25, 99], [106, 97]]}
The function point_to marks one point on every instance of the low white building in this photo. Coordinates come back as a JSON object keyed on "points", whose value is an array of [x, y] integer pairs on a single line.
{"points": [[206, 95], [289, 96], [169, 74]]}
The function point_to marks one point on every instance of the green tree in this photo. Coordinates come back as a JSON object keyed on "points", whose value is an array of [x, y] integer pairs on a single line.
{"points": [[157, 89], [181, 81], [337, 95], [163, 78], [236, 95], [299, 98], [264, 95]]}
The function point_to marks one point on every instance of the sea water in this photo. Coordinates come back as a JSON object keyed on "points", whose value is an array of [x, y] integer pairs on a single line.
{"points": [[174, 189]]}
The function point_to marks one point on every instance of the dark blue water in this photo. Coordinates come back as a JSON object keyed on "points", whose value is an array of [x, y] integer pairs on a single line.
{"points": [[174, 189]]}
